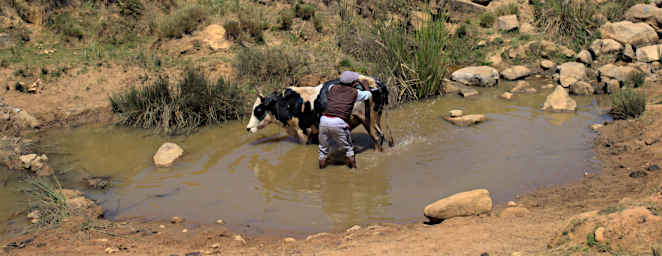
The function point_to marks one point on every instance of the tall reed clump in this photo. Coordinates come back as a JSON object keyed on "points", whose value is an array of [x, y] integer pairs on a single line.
{"points": [[627, 103], [47, 198], [192, 102], [571, 21]]}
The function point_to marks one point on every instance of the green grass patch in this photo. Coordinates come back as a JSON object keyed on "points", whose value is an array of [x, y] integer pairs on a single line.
{"points": [[182, 21], [304, 11], [627, 103], [190, 103], [45, 197], [486, 19]]}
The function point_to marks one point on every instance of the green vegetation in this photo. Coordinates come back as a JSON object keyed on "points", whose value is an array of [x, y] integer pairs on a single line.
{"points": [[486, 20], [571, 22], [286, 19], [46, 198], [131, 8], [232, 29], [253, 20], [591, 242], [304, 11], [191, 103], [65, 24], [277, 66], [184, 20], [507, 9], [627, 103], [615, 10]]}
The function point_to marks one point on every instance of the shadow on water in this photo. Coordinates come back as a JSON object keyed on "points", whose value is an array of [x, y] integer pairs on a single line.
{"points": [[267, 183]]}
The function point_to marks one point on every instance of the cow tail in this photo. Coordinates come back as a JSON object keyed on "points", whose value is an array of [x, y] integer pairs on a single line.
{"points": [[384, 108]]}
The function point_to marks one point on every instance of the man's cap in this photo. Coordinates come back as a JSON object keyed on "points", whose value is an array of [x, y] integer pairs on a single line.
{"points": [[348, 77]]}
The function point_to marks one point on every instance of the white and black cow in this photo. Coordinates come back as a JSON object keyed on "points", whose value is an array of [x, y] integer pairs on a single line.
{"points": [[298, 110]]}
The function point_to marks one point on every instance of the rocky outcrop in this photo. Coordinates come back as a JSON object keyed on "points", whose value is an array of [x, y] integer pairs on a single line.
{"points": [[466, 120], [626, 32], [644, 13], [461, 204], [484, 76], [605, 46], [36, 164], [649, 53], [167, 154], [620, 73], [508, 23], [571, 72], [516, 72], [559, 101]]}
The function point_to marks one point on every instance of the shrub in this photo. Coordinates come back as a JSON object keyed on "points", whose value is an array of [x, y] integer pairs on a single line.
{"points": [[627, 103], [569, 21], [615, 10], [286, 19], [304, 11], [232, 29], [637, 79], [486, 20], [183, 21], [318, 23], [65, 24], [272, 65], [48, 199], [507, 9], [253, 20], [192, 102], [131, 8]]}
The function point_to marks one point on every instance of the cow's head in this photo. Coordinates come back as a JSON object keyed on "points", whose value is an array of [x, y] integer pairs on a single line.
{"points": [[262, 113]]}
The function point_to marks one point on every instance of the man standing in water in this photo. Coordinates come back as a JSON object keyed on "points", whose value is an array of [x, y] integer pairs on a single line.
{"points": [[333, 124]]}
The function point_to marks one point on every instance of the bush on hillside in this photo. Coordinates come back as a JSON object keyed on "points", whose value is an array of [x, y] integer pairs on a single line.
{"points": [[615, 10], [570, 21], [286, 19], [281, 65], [131, 8], [191, 103], [506, 9], [254, 21], [184, 20], [486, 20], [232, 29], [627, 103], [304, 11], [66, 25]]}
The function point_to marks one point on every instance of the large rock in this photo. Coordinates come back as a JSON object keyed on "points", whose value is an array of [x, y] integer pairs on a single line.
{"points": [[620, 73], [508, 23], [459, 10], [167, 154], [547, 64], [461, 204], [626, 32], [643, 13], [605, 46], [450, 87], [559, 101], [571, 72], [484, 76], [584, 57], [582, 88], [649, 53], [214, 36], [516, 72], [466, 120]]}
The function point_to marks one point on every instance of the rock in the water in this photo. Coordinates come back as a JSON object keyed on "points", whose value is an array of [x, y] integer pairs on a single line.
{"points": [[461, 204], [77, 202], [582, 88], [596, 127], [520, 87], [571, 72], [547, 64], [455, 113], [619, 73], [516, 72], [638, 174], [506, 95], [605, 46], [97, 182], [26, 160], [450, 87], [649, 53], [559, 101], [466, 120], [626, 32], [468, 92], [514, 212], [167, 154], [484, 76], [508, 23], [584, 57], [600, 235]]}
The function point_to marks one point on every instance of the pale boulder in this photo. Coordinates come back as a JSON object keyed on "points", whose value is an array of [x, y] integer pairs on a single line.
{"points": [[167, 154], [484, 76], [506, 95], [520, 87], [468, 203], [649, 53], [26, 160], [619, 73], [512, 212], [516, 72], [584, 57], [25, 120], [559, 101], [214, 36], [547, 64], [582, 88], [626, 32], [571, 72], [466, 120], [605, 46], [455, 113], [508, 23], [642, 12]]}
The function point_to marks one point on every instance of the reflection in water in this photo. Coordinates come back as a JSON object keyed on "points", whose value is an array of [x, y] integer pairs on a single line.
{"points": [[268, 183]]}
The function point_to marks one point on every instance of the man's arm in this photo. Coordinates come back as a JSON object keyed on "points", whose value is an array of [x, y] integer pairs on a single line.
{"points": [[362, 95]]}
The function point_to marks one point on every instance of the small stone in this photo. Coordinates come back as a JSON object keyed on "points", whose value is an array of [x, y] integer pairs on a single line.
{"points": [[315, 236], [512, 204], [35, 221], [215, 246], [455, 113], [596, 127], [506, 95], [638, 174], [176, 220], [289, 240], [548, 86], [184, 230], [27, 160], [161, 226], [530, 90], [353, 228], [600, 235], [101, 240], [111, 250], [514, 212], [653, 168], [34, 214], [239, 239], [516, 254], [547, 64], [220, 221], [466, 120]]}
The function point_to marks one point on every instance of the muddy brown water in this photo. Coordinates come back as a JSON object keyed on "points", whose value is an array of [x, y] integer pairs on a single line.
{"points": [[268, 184]]}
